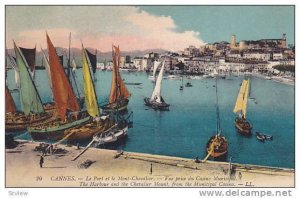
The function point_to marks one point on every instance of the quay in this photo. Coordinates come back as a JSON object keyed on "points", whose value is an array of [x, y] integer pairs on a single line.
{"points": [[111, 168]]}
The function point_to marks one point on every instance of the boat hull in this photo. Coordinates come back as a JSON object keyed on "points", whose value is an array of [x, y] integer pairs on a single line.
{"points": [[108, 139], [88, 130], [19, 122], [121, 107], [55, 132], [156, 106], [243, 127]]}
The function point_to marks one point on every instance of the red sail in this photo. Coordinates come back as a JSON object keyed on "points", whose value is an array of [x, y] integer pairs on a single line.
{"points": [[10, 105], [63, 94], [115, 92]]}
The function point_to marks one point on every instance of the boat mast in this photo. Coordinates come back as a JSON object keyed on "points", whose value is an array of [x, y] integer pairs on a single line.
{"points": [[117, 82], [69, 62], [217, 109]]}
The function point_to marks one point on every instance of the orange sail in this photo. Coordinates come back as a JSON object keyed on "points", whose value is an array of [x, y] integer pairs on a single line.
{"points": [[63, 94], [10, 105], [118, 89]]}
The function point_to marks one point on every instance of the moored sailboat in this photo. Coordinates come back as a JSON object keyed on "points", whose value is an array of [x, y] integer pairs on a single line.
{"points": [[217, 145], [241, 123], [14, 120], [68, 111], [33, 110], [99, 123], [156, 101], [119, 94]]}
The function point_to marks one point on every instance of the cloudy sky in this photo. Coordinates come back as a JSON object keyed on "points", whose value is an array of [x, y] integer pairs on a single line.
{"points": [[144, 27]]}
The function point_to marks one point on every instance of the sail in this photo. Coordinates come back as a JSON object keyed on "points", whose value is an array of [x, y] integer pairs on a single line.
{"points": [[13, 62], [74, 66], [241, 102], [63, 94], [29, 55], [93, 60], [47, 67], [30, 99], [155, 66], [118, 89], [245, 99], [10, 105], [88, 88], [156, 92]]}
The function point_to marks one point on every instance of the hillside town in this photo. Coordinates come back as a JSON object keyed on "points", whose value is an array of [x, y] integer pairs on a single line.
{"points": [[264, 56]]}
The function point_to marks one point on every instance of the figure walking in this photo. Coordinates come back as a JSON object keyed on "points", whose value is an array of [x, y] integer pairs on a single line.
{"points": [[41, 161], [151, 169]]}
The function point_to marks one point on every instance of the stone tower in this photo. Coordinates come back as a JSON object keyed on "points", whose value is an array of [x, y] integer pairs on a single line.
{"points": [[233, 42], [283, 41]]}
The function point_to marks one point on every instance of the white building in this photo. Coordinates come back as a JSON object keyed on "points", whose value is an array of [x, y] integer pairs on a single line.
{"points": [[277, 56], [141, 63], [265, 56]]}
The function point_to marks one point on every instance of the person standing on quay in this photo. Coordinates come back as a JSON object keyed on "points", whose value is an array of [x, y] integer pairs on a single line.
{"points": [[41, 161], [151, 169]]}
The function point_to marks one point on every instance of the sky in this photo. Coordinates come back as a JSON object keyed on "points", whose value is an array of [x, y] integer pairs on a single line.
{"points": [[144, 27]]}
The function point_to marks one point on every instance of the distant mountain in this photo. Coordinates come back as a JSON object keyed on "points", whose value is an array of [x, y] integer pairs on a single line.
{"points": [[101, 56]]}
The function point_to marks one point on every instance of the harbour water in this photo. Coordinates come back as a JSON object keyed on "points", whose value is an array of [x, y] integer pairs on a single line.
{"points": [[191, 121]]}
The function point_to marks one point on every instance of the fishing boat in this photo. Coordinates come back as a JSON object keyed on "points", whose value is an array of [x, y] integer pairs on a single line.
{"points": [[119, 94], [33, 110], [68, 113], [99, 123], [188, 84], [217, 145], [156, 101], [112, 135], [241, 123]]}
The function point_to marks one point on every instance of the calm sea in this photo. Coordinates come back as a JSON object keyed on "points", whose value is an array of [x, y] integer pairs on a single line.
{"points": [[191, 121]]}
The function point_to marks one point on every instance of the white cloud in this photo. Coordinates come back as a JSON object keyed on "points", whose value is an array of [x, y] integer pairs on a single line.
{"points": [[97, 26]]}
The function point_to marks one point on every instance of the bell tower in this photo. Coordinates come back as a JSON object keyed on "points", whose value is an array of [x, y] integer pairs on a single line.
{"points": [[233, 42]]}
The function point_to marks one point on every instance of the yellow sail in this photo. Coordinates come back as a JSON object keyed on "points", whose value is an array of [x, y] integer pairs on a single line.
{"points": [[88, 88], [245, 99], [240, 102]]}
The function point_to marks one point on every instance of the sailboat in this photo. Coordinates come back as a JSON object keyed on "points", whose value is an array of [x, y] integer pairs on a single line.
{"points": [[217, 145], [33, 110], [14, 120], [68, 113], [155, 66], [181, 86], [119, 94], [156, 101], [99, 123], [242, 125]]}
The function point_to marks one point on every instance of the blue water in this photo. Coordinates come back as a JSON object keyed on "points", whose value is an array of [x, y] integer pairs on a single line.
{"points": [[191, 121]]}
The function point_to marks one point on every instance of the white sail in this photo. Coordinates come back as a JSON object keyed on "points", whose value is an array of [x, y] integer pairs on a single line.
{"points": [[74, 66], [47, 66], [156, 92], [155, 66]]}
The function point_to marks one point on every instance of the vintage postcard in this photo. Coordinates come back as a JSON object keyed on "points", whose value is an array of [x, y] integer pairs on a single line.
{"points": [[149, 96]]}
